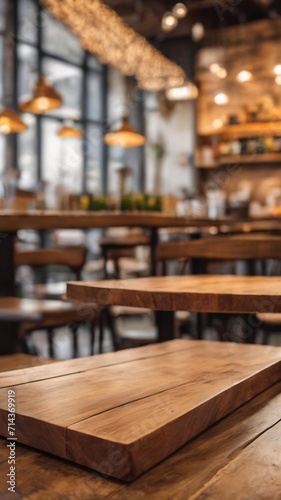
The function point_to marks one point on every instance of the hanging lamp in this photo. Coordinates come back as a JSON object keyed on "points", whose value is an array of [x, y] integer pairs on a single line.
{"points": [[45, 98], [70, 132], [11, 122], [125, 136]]}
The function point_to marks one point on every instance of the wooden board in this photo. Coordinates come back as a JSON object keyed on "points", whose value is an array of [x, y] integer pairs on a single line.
{"points": [[121, 419], [220, 293], [13, 220], [180, 476]]}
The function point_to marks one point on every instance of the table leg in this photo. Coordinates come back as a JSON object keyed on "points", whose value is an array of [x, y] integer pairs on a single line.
{"points": [[153, 251], [8, 338], [7, 265], [165, 321]]}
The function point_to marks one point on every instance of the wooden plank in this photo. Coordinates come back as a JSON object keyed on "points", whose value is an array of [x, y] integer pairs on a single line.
{"points": [[13, 220], [20, 361], [188, 470], [124, 418], [223, 294], [180, 476], [261, 465], [72, 366]]}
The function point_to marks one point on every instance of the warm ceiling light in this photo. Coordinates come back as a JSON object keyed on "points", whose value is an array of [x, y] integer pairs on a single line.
{"points": [[197, 32], [218, 70], [222, 73], [184, 93], [106, 35], [169, 22], [217, 123], [221, 99], [11, 122], [214, 68], [124, 137], [156, 84], [69, 132], [277, 69], [244, 76], [180, 10], [45, 98], [278, 80]]}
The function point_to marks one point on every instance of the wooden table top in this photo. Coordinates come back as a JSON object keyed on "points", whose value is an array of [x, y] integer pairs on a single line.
{"points": [[239, 455], [219, 293], [13, 220]]}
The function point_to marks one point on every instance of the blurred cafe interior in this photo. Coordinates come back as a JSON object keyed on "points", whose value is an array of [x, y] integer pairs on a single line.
{"points": [[140, 249], [158, 108]]}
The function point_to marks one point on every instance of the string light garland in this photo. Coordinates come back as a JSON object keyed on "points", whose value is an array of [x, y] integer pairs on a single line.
{"points": [[103, 33]]}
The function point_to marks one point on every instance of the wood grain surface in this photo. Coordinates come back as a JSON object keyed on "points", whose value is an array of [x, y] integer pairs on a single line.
{"points": [[252, 246], [17, 361], [220, 293], [123, 418], [13, 220], [183, 474]]}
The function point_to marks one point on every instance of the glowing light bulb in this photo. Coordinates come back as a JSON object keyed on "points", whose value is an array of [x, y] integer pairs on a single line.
{"points": [[221, 99], [169, 22], [277, 69], [197, 32], [244, 76], [180, 10]]}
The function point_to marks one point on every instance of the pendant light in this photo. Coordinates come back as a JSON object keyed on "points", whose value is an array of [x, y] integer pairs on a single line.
{"points": [[125, 136], [70, 132], [186, 92], [11, 122], [45, 98]]}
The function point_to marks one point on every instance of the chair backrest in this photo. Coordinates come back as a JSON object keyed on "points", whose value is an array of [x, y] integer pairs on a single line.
{"points": [[72, 257], [229, 248]]}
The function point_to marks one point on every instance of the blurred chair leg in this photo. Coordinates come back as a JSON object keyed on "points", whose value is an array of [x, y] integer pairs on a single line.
{"points": [[74, 331], [111, 325], [50, 337], [101, 330], [92, 336]]}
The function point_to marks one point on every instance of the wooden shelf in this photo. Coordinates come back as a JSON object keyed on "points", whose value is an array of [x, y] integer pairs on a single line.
{"points": [[253, 159], [246, 130]]}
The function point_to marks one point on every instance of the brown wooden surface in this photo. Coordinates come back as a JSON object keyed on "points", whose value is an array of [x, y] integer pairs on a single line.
{"points": [[124, 418], [13, 220], [43, 312], [17, 361], [186, 472], [253, 246], [73, 257], [221, 293]]}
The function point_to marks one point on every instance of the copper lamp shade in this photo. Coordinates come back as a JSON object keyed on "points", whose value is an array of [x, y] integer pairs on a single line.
{"points": [[45, 98], [11, 122], [70, 133], [124, 137]]}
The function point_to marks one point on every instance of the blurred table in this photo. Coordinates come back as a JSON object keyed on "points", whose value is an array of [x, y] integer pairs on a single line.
{"points": [[201, 294]]}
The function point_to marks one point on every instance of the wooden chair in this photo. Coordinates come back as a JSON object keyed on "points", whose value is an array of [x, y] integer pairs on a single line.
{"points": [[119, 249], [248, 248], [34, 315]]}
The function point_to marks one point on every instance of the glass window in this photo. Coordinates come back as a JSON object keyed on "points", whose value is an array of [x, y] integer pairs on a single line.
{"points": [[67, 80], [28, 72], [94, 105], [93, 63], [93, 153], [58, 40], [3, 5], [62, 158], [27, 156], [2, 155], [1, 68], [28, 22]]}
